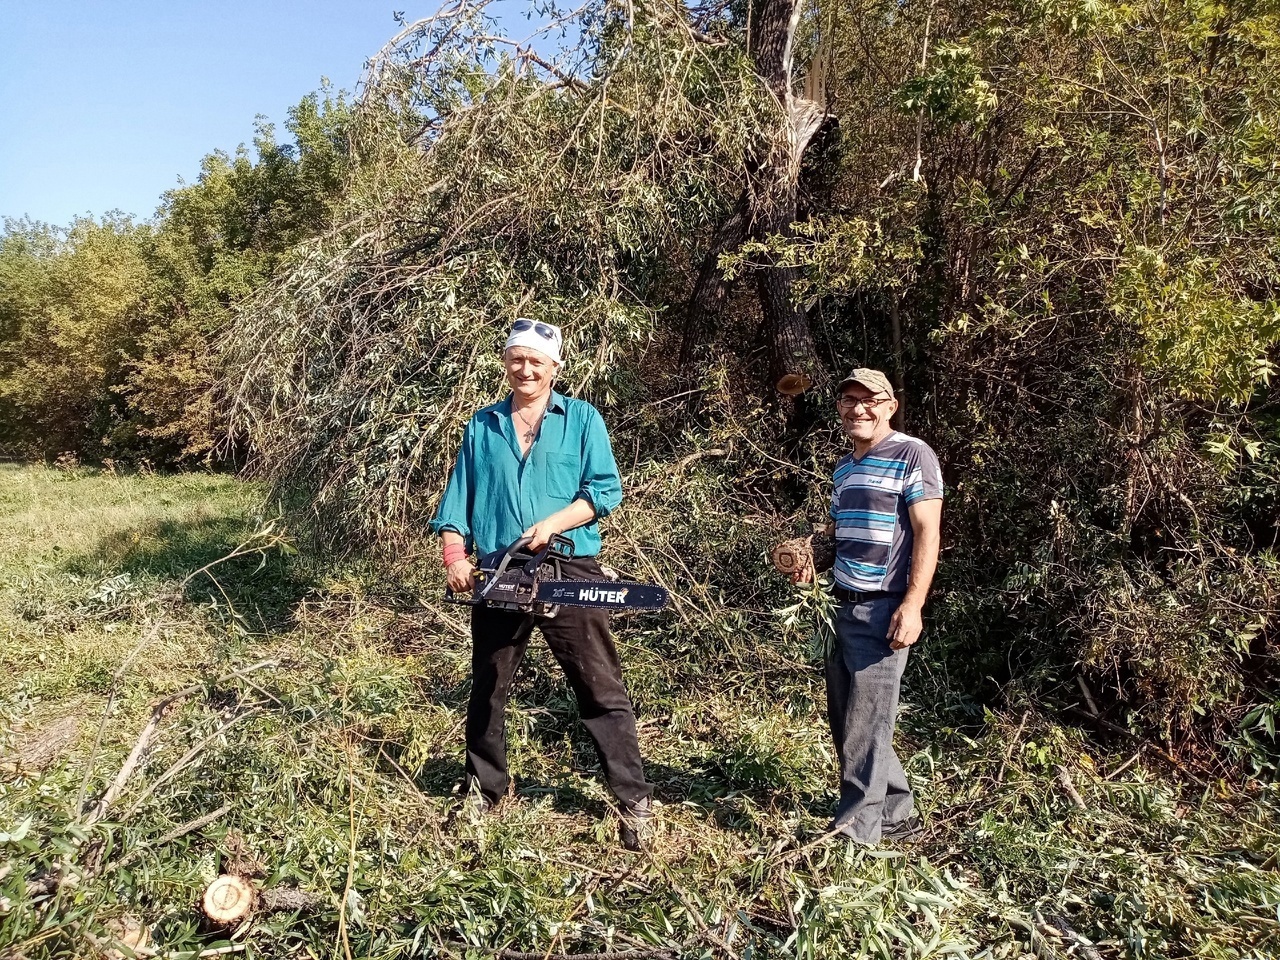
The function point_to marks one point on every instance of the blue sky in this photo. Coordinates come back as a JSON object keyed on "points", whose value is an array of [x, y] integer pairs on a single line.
{"points": [[105, 105]]}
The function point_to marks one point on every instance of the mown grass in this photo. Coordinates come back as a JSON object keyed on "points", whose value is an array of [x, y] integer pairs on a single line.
{"points": [[332, 768]]}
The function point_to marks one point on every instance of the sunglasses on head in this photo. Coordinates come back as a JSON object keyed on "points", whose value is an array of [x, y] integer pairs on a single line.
{"points": [[544, 330]]}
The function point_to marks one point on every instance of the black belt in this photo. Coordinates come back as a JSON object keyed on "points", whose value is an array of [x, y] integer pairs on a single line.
{"points": [[862, 596]]}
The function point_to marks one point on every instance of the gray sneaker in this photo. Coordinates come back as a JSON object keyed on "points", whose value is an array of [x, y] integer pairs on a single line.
{"points": [[635, 825], [470, 808], [904, 831]]}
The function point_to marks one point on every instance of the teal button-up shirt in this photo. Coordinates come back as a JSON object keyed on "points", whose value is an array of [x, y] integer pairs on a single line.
{"points": [[494, 494]]}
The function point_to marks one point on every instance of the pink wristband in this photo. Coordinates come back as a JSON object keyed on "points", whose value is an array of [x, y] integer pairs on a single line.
{"points": [[453, 552]]}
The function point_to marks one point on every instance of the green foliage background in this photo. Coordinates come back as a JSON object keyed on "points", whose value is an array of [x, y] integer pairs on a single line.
{"points": [[1066, 209]]}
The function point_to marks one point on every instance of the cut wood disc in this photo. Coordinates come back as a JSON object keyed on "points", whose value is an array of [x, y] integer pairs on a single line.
{"points": [[793, 555], [228, 899], [792, 384], [814, 553]]}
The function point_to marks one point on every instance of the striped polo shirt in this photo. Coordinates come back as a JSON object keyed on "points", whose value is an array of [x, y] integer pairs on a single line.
{"points": [[869, 507]]}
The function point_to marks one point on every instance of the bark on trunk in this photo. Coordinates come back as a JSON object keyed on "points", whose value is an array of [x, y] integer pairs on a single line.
{"points": [[712, 291], [793, 358], [768, 208], [793, 361]]}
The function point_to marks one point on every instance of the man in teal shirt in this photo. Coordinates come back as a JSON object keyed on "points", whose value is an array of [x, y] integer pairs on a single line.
{"points": [[539, 464]]}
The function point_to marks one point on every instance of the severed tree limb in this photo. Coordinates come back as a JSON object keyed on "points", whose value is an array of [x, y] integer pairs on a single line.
{"points": [[1088, 696], [1008, 753], [1124, 766], [140, 749], [1164, 754], [677, 468], [1064, 778], [147, 737], [181, 763], [1056, 925], [102, 725], [107, 949], [178, 832], [526, 52], [815, 553]]}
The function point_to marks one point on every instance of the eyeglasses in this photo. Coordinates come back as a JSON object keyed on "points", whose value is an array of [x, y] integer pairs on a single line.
{"points": [[544, 330], [849, 403]]}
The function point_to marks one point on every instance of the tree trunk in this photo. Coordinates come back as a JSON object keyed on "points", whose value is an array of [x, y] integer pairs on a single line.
{"points": [[793, 360], [793, 357], [711, 290], [899, 361], [768, 208]]}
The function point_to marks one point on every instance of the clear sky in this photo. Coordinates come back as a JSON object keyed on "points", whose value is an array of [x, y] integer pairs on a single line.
{"points": [[105, 105]]}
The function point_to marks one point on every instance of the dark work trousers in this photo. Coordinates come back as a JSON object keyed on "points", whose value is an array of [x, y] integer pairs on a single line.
{"points": [[580, 640], [863, 678]]}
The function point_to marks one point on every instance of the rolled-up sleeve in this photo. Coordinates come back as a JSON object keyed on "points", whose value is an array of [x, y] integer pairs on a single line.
{"points": [[454, 512], [601, 484]]}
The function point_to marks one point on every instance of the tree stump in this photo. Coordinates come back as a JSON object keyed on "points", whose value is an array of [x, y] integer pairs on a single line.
{"points": [[228, 900]]}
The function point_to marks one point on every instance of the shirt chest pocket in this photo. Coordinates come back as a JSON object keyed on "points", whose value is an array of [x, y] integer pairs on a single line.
{"points": [[564, 476]]}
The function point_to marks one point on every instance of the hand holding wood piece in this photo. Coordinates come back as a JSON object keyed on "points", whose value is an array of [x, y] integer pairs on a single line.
{"points": [[812, 554]]}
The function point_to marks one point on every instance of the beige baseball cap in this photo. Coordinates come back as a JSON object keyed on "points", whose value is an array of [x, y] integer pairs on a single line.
{"points": [[873, 380]]}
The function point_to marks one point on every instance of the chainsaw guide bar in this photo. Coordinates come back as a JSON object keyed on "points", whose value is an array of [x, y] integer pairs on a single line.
{"points": [[609, 594]]}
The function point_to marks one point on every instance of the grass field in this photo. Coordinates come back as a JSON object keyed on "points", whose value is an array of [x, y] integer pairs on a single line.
{"points": [[303, 728]]}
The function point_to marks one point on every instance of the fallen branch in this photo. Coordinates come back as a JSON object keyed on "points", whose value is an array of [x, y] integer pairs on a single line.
{"points": [[1064, 778], [106, 713], [1088, 696], [182, 762], [107, 949], [677, 468], [1164, 754], [145, 739], [1008, 753], [1124, 766], [140, 749], [1039, 946], [191, 827], [1057, 926]]}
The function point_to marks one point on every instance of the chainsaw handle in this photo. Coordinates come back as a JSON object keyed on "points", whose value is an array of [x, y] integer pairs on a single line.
{"points": [[507, 557], [560, 547]]}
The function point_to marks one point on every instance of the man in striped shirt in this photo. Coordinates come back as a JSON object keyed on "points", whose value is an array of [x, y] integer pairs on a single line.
{"points": [[887, 511]]}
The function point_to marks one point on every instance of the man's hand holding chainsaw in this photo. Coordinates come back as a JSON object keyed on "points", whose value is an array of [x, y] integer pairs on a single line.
{"points": [[459, 572], [576, 514]]}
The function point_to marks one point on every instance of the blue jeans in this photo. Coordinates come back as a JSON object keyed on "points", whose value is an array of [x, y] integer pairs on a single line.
{"points": [[863, 678]]}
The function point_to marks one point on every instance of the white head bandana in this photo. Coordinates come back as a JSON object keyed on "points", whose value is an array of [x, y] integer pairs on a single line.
{"points": [[536, 335]]}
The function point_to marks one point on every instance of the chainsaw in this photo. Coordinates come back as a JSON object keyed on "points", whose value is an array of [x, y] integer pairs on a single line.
{"points": [[519, 579]]}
